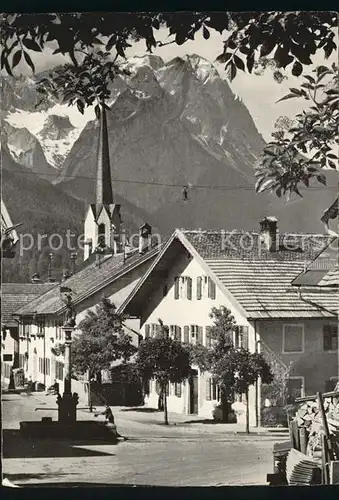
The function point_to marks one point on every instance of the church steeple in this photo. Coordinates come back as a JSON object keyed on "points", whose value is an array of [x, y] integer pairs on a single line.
{"points": [[104, 192], [103, 219]]}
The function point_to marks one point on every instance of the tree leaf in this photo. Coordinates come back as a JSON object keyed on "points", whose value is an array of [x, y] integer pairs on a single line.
{"points": [[29, 61], [288, 96], [250, 61], [233, 71], [206, 33], [239, 63], [31, 45], [297, 69], [322, 179], [16, 58], [223, 58]]}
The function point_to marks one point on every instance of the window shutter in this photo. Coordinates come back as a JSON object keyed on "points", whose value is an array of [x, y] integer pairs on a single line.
{"points": [[176, 288], [147, 334], [189, 288], [211, 289], [158, 329], [244, 336], [208, 342], [177, 333], [186, 334], [199, 287], [178, 390], [327, 337], [208, 389], [200, 335]]}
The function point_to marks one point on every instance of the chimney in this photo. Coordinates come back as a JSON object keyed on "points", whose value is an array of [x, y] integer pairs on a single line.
{"points": [[269, 234], [36, 278], [74, 256], [50, 278], [145, 233]]}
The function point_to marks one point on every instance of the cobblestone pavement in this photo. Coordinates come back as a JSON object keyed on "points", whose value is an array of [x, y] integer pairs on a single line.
{"points": [[185, 454]]}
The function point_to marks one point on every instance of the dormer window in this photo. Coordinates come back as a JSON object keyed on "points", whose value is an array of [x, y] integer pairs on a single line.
{"points": [[205, 288], [183, 287]]}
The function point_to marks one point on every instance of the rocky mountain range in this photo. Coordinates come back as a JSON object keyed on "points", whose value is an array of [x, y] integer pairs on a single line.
{"points": [[171, 124]]}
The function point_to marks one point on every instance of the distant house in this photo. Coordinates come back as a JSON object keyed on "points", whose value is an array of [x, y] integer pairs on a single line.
{"points": [[251, 274], [14, 296]]}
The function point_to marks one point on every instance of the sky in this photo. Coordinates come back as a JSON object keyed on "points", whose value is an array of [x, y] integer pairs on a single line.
{"points": [[259, 93]]}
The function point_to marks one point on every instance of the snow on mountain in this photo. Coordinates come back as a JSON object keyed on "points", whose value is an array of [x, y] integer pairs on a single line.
{"points": [[56, 129]]}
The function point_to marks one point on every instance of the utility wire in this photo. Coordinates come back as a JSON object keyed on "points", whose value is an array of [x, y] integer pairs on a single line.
{"points": [[164, 184]]}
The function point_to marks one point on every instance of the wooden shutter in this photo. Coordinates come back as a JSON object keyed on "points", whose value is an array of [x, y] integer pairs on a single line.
{"points": [[208, 389], [147, 334], [244, 336], [327, 337], [189, 288], [211, 289], [186, 334], [199, 287], [200, 335], [208, 341], [176, 287], [177, 333]]}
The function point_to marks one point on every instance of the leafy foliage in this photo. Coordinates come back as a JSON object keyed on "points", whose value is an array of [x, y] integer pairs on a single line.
{"points": [[297, 155], [234, 369], [164, 359], [102, 340], [292, 37]]}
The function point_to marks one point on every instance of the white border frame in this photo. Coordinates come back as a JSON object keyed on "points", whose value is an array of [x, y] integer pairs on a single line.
{"points": [[302, 378], [302, 336]]}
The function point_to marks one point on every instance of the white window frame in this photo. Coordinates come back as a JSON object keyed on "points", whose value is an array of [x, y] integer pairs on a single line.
{"points": [[302, 338], [302, 378], [194, 331]]}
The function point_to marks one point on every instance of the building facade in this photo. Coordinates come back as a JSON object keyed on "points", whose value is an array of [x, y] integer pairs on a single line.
{"points": [[199, 270]]}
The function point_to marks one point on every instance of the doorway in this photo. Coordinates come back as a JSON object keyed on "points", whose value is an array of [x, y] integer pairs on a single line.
{"points": [[193, 393]]}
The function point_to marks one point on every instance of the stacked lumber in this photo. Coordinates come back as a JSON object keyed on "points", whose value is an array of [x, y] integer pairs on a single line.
{"points": [[309, 417], [300, 469]]}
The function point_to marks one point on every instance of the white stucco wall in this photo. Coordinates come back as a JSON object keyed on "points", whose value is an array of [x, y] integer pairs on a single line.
{"points": [[183, 312]]}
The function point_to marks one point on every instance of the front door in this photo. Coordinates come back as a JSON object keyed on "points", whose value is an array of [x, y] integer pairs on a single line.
{"points": [[193, 393]]}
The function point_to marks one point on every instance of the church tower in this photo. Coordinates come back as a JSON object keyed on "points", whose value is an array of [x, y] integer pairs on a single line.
{"points": [[103, 219]]}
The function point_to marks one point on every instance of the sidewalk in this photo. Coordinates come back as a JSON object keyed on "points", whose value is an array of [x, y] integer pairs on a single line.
{"points": [[144, 420]]}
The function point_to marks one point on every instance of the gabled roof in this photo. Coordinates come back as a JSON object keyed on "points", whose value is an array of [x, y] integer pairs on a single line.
{"points": [[17, 295], [88, 281], [323, 271], [256, 281]]}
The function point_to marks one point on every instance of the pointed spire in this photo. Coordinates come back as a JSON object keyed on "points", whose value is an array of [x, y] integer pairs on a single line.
{"points": [[104, 192]]}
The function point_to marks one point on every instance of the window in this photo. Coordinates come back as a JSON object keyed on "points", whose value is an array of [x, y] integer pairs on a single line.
{"points": [[175, 332], [330, 337], [330, 384], [186, 334], [41, 326], [8, 357], [196, 334], [45, 366], [293, 338], [147, 331], [205, 288], [152, 329], [241, 337], [212, 390], [295, 388], [58, 329], [183, 287], [177, 390], [26, 329]]}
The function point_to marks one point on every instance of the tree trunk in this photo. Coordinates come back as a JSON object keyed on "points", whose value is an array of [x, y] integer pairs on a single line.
{"points": [[165, 404], [247, 414], [161, 400], [224, 406]]}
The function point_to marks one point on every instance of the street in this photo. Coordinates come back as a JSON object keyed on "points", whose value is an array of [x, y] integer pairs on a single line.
{"points": [[185, 454]]}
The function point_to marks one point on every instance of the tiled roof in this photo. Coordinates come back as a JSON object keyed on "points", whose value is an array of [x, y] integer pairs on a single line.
{"points": [[17, 295], [88, 280], [263, 288], [246, 245]]}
